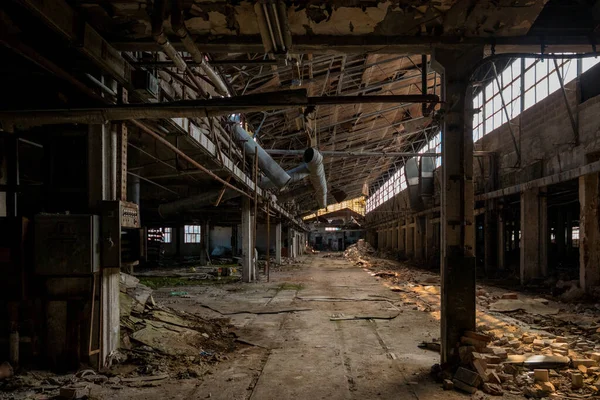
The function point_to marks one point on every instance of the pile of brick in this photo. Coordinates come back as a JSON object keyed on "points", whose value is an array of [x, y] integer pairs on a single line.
{"points": [[508, 365]]}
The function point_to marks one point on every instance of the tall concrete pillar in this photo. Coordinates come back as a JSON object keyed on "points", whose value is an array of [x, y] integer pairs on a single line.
{"points": [[457, 220], [561, 233], [420, 237], [589, 231], [247, 250], [401, 247], [501, 240], [278, 243], [429, 245], [410, 238], [490, 232], [292, 243], [388, 240], [533, 262], [394, 237], [102, 185]]}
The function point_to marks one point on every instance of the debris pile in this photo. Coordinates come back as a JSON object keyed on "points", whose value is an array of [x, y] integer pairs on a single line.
{"points": [[153, 332], [359, 251], [534, 365], [529, 345]]}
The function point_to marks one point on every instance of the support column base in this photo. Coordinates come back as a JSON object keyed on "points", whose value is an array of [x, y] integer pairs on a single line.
{"points": [[458, 302]]}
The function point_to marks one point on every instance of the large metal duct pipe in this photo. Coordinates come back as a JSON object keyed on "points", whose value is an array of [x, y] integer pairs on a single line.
{"points": [[178, 25], [271, 169], [158, 17], [314, 163], [296, 174]]}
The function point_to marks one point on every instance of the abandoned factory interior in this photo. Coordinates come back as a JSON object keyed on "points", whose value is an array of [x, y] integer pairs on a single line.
{"points": [[274, 199]]}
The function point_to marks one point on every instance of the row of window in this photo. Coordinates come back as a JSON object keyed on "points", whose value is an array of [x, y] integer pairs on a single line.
{"points": [[523, 83], [397, 182], [192, 234]]}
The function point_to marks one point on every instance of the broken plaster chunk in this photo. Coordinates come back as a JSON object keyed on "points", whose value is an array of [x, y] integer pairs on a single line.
{"points": [[541, 375], [594, 356], [493, 377], [477, 336], [481, 366], [479, 344], [527, 339], [584, 361], [547, 387], [492, 389], [468, 377], [448, 384], [510, 296], [499, 352], [576, 380], [463, 386], [514, 343]]}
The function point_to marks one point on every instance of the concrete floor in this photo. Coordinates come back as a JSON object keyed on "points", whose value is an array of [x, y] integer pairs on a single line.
{"points": [[303, 354]]}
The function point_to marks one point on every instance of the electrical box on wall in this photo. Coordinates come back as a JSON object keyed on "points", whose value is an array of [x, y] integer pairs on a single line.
{"points": [[67, 244], [123, 240]]}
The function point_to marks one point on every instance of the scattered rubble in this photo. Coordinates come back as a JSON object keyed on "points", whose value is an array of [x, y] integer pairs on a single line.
{"points": [[537, 347], [157, 343]]}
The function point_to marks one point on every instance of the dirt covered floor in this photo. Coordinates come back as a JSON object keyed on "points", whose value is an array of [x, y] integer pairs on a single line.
{"points": [[325, 327]]}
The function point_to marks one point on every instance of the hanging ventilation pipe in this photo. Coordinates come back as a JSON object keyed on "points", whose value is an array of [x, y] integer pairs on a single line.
{"points": [[178, 25], [270, 168], [314, 163], [312, 167], [158, 17]]}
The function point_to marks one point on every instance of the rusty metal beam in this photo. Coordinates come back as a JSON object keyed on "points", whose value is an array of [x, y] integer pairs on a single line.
{"points": [[194, 108]]}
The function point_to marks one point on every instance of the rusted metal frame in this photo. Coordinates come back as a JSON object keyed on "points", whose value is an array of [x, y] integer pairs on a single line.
{"points": [[165, 142], [567, 105], [372, 114], [189, 61], [153, 183], [121, 172], [336, 110], [222, 193], [198, 108], [505, 109]]}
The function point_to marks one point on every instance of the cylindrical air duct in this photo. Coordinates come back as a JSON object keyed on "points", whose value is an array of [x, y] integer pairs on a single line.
{"points": [[314, 163], [271, 169]]}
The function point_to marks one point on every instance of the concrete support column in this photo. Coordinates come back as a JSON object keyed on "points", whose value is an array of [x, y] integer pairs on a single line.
{"points": [[429, 245], [490, 233], [561, 233], [420, 237], [401, 236], [589, 231], [501, 241], [533, 235], [457, 220], [290, 242], [388, 240], [247, 250], [278, 243], [205, 232], [102, 185], [395, 238], [410, 238]]}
